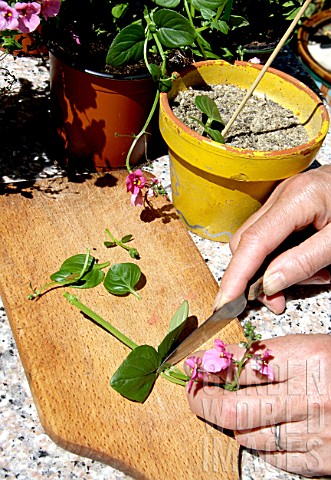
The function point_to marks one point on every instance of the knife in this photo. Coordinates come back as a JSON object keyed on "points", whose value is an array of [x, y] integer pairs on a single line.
{"points": [[216, 322], [219, 319]]}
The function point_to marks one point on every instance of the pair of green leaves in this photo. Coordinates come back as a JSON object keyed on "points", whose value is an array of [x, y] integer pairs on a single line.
{"points": [[209, 108], [133, 252], [172, 29], [135, 377], [83, 271]]}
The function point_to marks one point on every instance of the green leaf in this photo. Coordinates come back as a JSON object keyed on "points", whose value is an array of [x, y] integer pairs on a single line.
{"points": [[208, 4], [237, 21], [74, 266], [121, 279], [215, 134], [173, 30], [177, 325], [207, 106], [110, 244], [73, 273], [155, 71], [135, 377], [180, 316], [167, 3], [126, 238], [119, 9], [127, 46], [91, 279], [221, 26]]}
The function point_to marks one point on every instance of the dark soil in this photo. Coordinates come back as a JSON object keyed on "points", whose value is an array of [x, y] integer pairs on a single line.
{"points": [[262, 125]]}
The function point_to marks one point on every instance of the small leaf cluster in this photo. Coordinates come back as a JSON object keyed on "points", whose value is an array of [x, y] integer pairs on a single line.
{"points": [[133, 252], [209, 109], [83, 271]]}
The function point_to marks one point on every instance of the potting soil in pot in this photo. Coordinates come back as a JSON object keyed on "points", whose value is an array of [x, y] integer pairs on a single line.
{"points": [[262, 125]]}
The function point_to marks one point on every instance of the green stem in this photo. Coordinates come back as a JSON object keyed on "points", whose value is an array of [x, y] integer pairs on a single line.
{"points": [[172, 379], [73, 300], [118, 242], [190, 19], [142, 131], [103, 265]]}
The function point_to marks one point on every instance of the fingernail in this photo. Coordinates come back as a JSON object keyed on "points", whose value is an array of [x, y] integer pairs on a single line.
{"points": [[220, 300], [273, 283]]}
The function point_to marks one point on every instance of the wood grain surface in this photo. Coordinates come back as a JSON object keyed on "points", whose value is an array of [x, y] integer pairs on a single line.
{"points": [[69, 360]]}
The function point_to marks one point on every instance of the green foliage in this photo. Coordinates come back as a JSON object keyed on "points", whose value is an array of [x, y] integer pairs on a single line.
{"points": [[209, 108], [78, 271], [177, 325], [133, 252], [135, 378], [122, 278]]}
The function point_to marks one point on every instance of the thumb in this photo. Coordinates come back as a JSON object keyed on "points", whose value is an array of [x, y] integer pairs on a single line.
{"points": [[300, 263]]}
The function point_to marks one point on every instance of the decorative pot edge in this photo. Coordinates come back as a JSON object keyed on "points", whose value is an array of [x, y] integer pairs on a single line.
{"points": [[63, 58], [303, 37], [164, 97]]}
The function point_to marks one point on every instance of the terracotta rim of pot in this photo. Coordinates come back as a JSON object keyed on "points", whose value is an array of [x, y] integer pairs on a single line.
{"points": [[308, 27], [78, 66], [211, 144]]}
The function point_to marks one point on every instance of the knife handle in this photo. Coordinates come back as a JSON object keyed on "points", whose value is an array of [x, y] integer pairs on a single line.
{"points": [[255, 286]]}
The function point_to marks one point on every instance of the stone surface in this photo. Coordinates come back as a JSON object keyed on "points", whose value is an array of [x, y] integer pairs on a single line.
{"points": [[26, 451]]}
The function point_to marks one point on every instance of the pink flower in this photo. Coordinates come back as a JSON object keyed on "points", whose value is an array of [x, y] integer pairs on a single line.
{"points": [[218, 358], [135, 182], [28, 16], [260, 363], [50, 8], [8, 17], [196, 374]]}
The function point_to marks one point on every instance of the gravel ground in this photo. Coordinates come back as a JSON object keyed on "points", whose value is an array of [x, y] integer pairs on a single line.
{"points": [[29, 150]]}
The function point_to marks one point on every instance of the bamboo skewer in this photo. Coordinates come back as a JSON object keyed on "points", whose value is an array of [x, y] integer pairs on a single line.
{"points": [[266, 66]]}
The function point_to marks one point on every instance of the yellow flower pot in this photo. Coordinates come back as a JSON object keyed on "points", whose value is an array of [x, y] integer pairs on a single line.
{"points": [[215, 187]]}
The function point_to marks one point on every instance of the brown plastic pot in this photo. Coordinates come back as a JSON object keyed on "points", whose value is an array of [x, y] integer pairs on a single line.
{"points": [[98, 115]]}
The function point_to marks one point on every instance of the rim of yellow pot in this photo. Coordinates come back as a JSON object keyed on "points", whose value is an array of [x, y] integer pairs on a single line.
{"points": [[230, 154]]}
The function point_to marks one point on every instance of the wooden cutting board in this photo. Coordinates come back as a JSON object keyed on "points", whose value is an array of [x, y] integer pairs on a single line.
{"points": [[69, 360]]}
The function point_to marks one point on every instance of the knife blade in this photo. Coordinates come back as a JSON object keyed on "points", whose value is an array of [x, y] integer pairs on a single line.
{"points": [[219, 319], [207, 329]]}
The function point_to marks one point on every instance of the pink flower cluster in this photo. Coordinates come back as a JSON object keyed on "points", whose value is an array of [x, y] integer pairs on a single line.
{"points": [[25, 17], [136, 182], [218, 358]]}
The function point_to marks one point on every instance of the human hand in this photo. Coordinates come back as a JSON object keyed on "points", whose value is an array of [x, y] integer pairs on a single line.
{"points": [[298, 400], [297, 202]]}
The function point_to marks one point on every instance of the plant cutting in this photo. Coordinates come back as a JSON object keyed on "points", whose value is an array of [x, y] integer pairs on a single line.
{"points": [[135, 377], [216, 187], [83, 271]]}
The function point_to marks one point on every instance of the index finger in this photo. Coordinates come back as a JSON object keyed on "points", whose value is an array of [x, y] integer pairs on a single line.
{"points": [[246, 409]]}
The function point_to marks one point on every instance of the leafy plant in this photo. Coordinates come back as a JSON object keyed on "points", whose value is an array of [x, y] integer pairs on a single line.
{"points": [[133, 252], [135, 377], [209, 108], [167, 25], [83, 271], [78, 271]]}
